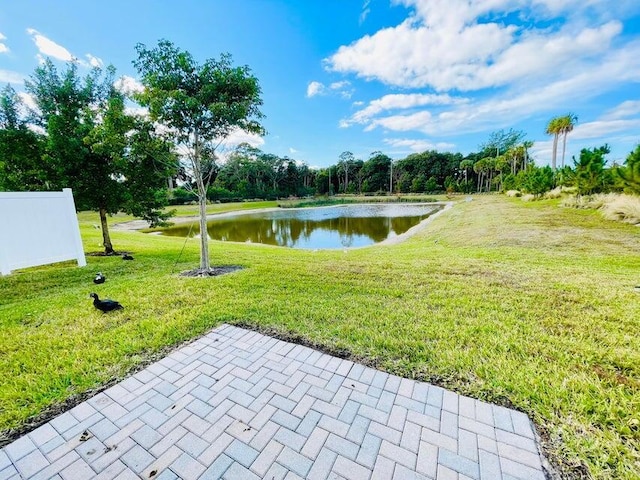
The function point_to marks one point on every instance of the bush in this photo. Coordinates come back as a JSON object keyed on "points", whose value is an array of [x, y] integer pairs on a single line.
{"points": [[181, 196]]}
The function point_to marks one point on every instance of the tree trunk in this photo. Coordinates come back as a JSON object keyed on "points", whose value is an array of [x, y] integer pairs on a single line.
{"points": [[106, 239], [204, 236], [202, 204], [555, 152], [564, 147]]}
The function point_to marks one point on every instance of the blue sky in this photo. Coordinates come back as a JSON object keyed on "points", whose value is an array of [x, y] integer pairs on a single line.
{"points": [[397, 76]]}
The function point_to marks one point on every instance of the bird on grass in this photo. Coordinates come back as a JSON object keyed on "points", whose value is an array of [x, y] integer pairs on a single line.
{"points": [[126, 256], [100, 278], [105, 305]]}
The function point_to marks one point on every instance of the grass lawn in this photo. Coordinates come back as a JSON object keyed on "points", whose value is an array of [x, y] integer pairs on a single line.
{"points": [[524, 304]]}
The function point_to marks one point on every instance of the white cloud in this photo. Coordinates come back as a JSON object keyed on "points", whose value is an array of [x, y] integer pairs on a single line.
{"points": [[418, 145], [94, 61], [340, 85], [128, 85], [341, 88], [28, 100], [293, 151], [603, 128], [3, 46], [399, 101], [50, 48], [445, 45], [365, 11], [238, 136], [315, 88], [625, 109], [7, 76], [505, 108]]}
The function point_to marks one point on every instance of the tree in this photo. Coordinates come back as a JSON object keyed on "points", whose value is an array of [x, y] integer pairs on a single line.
{"points": [[111, 160], [629, 175], [375, 173], [536, 180], [590, 174], [554, 128], [21, 148], [200, 105], [345, 162], [565, 126], [500, 141]]}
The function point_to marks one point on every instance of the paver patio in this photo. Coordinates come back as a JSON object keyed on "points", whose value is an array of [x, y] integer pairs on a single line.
{"points": [[236, 404]]}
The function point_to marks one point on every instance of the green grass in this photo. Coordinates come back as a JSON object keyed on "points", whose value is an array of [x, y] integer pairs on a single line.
{"points": [[525, 304]]}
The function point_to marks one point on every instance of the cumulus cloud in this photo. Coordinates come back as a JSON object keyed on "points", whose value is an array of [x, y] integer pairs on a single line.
{"points": [[450, 44], [341, 88], [399, 101], [128, 85], [239, 136], [315, 88], [94, 61], [504, 108], [50, 48]]}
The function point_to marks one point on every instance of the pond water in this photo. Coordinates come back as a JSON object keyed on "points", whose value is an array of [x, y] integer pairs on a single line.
{"points": [[323, 227]]}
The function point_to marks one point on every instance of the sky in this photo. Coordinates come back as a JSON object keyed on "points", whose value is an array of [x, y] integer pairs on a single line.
{"points": [[397, 76]]}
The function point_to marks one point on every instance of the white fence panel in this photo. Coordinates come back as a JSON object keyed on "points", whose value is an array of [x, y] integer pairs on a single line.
{"points": [[37, 228]]}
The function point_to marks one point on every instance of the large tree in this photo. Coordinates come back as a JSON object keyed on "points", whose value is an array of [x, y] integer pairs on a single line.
{"points": [[565, 126], [200, 105], [554, 128], [21, 166], [111, 160]]}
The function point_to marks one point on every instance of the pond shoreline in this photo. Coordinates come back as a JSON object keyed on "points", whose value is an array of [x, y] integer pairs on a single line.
{"points": [[138, 225]]}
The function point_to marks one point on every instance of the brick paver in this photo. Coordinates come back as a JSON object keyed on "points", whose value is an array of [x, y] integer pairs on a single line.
{"points": [[238, 404]]}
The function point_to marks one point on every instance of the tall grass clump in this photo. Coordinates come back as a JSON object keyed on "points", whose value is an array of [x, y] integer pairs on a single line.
{"points": [[618, 207]]}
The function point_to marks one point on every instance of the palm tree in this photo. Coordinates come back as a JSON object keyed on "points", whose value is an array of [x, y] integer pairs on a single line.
{"points": [[565, 126], [553, 128]]}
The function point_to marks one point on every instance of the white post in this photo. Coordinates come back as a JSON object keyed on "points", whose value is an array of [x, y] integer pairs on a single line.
{"points": [[73, 224]]}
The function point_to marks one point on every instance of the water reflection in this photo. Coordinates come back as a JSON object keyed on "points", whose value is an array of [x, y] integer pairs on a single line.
{"points": [[325, 227]]}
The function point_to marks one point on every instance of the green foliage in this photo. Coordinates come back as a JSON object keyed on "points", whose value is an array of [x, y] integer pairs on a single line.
{"points": [[500, 141], [181, 196], [21, 148], [536, 180], [590, 175], [629, 175], [418, 184], [200, 105], [112, 161], [431, 185], [375, 173]]}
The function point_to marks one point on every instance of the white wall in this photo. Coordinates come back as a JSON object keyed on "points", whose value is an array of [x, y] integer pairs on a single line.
{"points": [[37, 228]]}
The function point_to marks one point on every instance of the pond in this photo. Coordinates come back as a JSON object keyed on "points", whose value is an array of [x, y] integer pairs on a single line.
{"points": [[310, 228]]}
